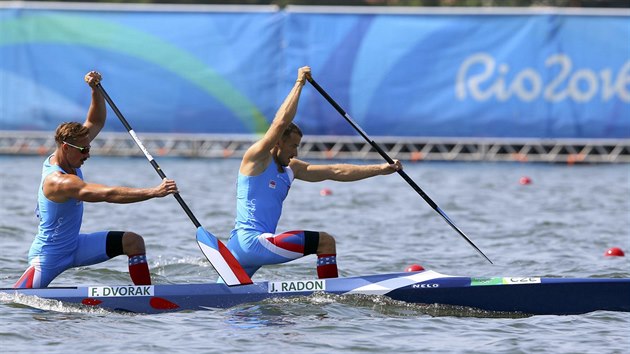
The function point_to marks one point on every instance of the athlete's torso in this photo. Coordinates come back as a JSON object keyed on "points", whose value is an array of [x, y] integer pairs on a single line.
{"points": [[59, 223], [259, 199]]}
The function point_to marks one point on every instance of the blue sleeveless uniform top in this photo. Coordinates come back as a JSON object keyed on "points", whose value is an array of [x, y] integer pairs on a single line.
{"points": [[59, 223], [259, 199]]}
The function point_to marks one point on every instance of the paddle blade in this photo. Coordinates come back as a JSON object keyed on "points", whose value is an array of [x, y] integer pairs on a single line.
{"points": [[461, 233], [221, 259]]}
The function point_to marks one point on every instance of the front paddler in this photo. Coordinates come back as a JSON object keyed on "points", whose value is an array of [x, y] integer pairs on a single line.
{"points": [[59, 245]]}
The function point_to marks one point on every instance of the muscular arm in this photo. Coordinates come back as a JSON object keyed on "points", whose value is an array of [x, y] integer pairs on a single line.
{"points": [[257, 157], [60, 187], [97, 112], [340, 172]]}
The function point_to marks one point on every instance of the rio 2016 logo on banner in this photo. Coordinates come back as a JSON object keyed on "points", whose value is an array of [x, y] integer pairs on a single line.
{"points": [[481, 78]]}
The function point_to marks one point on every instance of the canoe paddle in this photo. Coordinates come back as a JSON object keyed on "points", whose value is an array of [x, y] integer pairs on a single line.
{"points": [[220, 257], [389, 160]]}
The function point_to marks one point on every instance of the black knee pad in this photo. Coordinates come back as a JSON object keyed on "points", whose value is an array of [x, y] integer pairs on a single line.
{"points": [[114, 245], [311, 242]]}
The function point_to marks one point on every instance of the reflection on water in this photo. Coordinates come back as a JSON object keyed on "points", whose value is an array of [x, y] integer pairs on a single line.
{"points": [[49, 310], [254, 316], [280, 311]]}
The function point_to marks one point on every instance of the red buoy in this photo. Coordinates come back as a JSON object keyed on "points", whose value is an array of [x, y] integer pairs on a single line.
{"points": [[614, 252], [525, 180], [324, 192], [414, 268]]}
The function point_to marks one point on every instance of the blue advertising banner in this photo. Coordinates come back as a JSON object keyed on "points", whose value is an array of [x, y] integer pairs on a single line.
{"points": [[534, 74], [182, 72], [542, 75]]}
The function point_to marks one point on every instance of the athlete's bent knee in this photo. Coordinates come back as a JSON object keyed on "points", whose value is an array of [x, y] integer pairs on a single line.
{"points": [[326, 244], [133, 244]]}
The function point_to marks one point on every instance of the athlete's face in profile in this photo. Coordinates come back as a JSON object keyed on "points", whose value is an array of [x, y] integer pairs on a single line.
{"points": [[288, 148]]}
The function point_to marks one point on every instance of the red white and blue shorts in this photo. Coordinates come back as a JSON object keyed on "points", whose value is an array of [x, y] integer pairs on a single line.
{"points": [[254, 249]]}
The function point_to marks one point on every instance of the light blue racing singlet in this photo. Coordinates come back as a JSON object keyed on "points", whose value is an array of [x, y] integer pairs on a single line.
{"points": [[59, 223], [259, 199]]}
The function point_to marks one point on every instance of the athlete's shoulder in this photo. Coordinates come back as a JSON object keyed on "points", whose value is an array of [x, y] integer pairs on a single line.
{"points": [[253, 164]]}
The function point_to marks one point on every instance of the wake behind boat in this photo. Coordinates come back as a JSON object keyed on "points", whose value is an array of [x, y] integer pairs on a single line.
{"points": [[530, 295]]}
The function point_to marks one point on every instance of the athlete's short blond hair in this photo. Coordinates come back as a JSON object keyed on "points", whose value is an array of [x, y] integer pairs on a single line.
{"points": [[70, 132]]}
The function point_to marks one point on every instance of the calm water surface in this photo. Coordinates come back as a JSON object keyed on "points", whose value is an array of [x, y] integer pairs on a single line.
{"points": [[560, 225]]}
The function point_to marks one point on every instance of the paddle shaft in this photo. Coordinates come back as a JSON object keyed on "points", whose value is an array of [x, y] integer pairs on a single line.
{"points": [[146, 153], [402, 173]]}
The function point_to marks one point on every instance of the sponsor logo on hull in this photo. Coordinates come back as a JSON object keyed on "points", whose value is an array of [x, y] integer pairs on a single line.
{"points": [[503, 281]]}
